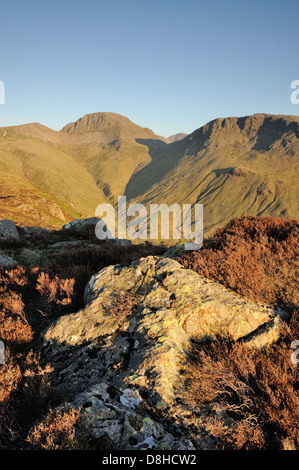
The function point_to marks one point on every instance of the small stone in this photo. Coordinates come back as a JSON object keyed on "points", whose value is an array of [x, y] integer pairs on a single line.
{"points": [[7, 262], [130, 398]]}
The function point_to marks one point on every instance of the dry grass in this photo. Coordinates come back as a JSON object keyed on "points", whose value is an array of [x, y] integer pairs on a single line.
{"points": [[14, 327], [57, 431], [56, 289], [124, 304], [257, 257], [258, 389]]}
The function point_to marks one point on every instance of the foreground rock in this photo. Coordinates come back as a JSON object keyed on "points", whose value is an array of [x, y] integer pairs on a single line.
{"points": [[119, 419], [132, 337], [8, 230]]}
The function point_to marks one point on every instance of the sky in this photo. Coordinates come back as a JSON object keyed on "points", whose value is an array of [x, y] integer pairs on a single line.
{"points": [[168, 65]]}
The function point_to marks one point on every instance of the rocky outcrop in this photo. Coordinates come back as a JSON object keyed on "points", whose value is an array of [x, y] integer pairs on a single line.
{"points": [[120, 419], [132, 338], [29, 230], [8, 230], [80, 224], [55, 210]]}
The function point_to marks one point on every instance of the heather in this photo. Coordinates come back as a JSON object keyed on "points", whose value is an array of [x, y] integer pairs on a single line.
{"points": [[258, 258]]}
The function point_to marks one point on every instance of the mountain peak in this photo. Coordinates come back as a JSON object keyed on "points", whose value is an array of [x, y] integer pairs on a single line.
{"points": [[95, 122], [233, 166], [176, 137], [103, 127], [264, 130]]}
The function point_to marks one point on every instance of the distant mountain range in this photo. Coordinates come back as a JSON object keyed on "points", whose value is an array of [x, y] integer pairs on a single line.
{"points": [[233, 166]]}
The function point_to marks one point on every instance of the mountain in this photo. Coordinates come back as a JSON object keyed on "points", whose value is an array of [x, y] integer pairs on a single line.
{"points": [[234, 166], [176, 137], [86, 163]]}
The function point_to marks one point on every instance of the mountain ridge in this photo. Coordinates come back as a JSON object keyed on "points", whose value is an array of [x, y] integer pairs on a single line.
{"points": [[234, 166]]}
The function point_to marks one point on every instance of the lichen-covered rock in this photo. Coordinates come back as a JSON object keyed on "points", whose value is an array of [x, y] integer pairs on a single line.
{"points": [[119, 419], [8, 230], [147, 344]]}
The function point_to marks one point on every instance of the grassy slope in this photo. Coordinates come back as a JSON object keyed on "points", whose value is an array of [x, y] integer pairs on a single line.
{"points": [[107, 144], [233, 167], [78, 170], [45, 171]]}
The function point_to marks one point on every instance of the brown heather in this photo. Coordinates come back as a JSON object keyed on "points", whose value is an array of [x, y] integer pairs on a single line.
{"points": [[10, 375], [258, 389], [257, 257], [14, 327], [57, 431], [24, 384], [124, 304], [56, 289]]}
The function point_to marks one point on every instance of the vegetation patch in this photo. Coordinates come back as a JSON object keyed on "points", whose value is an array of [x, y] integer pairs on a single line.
{"points": [[257, 391]]}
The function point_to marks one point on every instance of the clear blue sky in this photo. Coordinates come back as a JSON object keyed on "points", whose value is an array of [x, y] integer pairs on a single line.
{"points": [[168, 65]]}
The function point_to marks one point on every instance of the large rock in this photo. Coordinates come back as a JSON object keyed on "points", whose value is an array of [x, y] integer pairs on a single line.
{"points": [[8, 230], [120, 359], [79, 225], [167, 307]]}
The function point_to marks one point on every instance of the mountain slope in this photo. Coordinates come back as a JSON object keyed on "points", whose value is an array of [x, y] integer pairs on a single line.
{"points": [[109, 146], [34, 158], [176, 137], [86, 163], [233, 166]]}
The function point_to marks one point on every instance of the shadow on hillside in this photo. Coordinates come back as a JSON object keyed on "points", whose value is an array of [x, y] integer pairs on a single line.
{"points": [[271, 131], [163, 159]]}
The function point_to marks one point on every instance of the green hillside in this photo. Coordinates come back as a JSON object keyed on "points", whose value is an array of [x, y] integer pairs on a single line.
{"points": [[86, 163]]}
